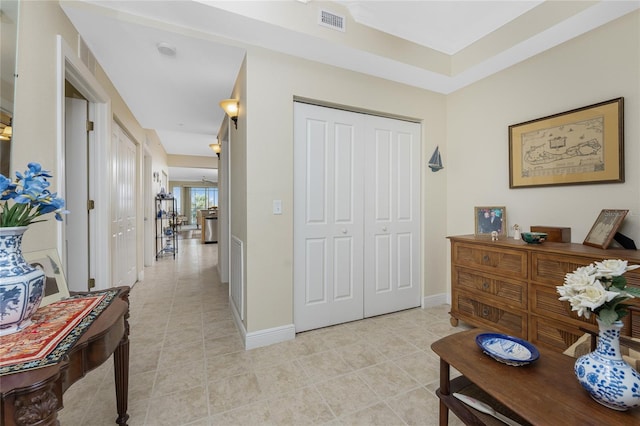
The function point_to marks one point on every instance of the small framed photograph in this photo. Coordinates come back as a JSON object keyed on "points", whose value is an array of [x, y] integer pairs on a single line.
{"points": [[55, 286], [605, 227], [489, 219]]}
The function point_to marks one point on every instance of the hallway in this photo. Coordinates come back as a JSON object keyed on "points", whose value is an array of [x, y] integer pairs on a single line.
{"points": [[189, 367]]}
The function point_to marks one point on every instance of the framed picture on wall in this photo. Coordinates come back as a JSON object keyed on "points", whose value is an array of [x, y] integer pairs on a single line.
{"points": [[605, 228], [581, 146], [55, 286], [489, 219]]}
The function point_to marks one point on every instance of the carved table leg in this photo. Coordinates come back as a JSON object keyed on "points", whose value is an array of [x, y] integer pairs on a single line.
{"points": [[121, 369], [37, 407], [121, 364]]}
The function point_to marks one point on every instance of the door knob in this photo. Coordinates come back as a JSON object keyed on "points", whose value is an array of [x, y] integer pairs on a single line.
{"points": [[384, 228], [344, 230]]}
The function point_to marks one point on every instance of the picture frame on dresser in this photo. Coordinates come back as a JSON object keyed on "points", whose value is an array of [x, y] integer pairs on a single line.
{"points": [[605, 228], [580, 146], [55, 288], [489, 219]]}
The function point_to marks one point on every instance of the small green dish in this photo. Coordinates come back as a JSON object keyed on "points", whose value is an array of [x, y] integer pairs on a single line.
{"points": [[533, 237]]}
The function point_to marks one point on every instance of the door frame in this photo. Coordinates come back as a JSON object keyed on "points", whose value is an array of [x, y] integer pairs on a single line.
{"points": [[71, 68], [224, 203], [148, 206]]}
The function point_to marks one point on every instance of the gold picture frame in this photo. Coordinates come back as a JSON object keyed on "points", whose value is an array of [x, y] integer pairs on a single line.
{"points": [[605, 228], [581, 146], [489, 219], [55, 287]]}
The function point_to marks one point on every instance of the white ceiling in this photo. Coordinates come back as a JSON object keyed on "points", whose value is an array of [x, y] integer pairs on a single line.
{"points": [[178, 96], [445, 26]]}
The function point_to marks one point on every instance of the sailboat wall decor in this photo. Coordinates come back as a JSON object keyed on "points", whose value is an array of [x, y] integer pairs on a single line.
{"points": [[435, 162]]}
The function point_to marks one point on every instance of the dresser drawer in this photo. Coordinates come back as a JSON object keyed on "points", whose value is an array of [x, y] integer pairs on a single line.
{"points": [[555, 335], [551, 268], [503, 261], [484, 314], [543, 301], [503, 290]]}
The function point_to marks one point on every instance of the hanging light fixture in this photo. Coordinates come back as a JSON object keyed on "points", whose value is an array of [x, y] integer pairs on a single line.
{"points": [[216, 148], [231, 107]]}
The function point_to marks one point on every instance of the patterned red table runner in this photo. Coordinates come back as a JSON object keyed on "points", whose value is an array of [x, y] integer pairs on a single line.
{"points": [[55, 329]]}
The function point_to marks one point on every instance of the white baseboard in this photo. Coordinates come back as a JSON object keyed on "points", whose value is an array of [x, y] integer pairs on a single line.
{"points": [[436, 300], [260, 338], [238, 321], [257, 339]]}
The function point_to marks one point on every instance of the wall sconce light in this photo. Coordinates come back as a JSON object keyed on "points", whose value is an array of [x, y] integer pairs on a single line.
{"points": [[216, 148], [231, 106]]}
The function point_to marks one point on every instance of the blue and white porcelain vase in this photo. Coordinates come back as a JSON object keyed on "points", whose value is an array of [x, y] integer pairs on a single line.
{"points": [[605, 375], [21, 285]]}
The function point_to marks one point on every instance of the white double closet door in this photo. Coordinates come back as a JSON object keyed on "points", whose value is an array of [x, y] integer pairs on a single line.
{"points": [[356, 216]]}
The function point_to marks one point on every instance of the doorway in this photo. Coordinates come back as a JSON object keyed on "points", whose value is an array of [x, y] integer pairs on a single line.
{"points": [[77, 136]]}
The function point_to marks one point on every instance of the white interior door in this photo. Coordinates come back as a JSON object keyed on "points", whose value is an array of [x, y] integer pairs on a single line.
{"points": [[328, 237], [123, 208], [356, 216], [392, 216], [77, 195]]}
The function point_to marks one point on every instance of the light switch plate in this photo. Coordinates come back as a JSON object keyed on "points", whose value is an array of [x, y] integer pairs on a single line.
{"points": [[277, 206]]}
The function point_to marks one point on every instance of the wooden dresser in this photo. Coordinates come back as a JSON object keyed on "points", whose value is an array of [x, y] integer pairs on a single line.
{"points": [[510, 286]]}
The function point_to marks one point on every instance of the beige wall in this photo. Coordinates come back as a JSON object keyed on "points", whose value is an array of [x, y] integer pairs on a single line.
{"points": [[196, 161], [598, 66], [238, 171], [470, 126], [35, 121], [272, 82]]}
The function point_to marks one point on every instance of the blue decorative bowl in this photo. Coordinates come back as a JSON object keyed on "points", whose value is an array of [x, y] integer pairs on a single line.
{"points": [[533, 237], [507, 349]]}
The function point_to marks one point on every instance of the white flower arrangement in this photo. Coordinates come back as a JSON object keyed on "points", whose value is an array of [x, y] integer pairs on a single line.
{"points": [[599, 288]]}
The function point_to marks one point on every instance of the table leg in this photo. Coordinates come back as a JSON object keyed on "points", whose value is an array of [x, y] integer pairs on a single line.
{"points": [[121, 371], [444, 390]]}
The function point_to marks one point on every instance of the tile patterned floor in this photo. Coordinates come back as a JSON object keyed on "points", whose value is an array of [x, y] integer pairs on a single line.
{"points": [[188, 365]]}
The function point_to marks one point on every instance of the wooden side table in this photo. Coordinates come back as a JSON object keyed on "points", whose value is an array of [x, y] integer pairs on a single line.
{"points": [[545, 392], [33, 397]]}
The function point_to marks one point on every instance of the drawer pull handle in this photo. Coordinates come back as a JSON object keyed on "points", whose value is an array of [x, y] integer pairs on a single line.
{"points": [[485, 285], [485, 257], [485, 311]]}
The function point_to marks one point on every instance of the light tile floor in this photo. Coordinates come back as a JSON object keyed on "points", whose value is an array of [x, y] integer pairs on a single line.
{"points": [[189, 367]]}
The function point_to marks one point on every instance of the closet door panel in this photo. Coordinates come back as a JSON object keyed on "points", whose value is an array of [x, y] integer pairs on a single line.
{"points": [[392, 214], [328, 232]]}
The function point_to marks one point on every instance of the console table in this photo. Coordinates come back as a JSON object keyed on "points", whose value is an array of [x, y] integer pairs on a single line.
{"points": [[34, 397], [545, 392]]}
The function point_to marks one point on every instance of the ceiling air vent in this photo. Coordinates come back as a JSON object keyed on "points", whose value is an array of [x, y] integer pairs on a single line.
{"points": [[331, 20]]}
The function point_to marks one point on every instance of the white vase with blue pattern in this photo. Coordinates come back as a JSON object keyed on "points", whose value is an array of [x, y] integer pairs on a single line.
{"points": [[21, 285], [605, 375]]}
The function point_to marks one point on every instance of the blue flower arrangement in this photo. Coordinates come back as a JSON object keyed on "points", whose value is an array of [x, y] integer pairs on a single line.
{"points": [[28, 198]]}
